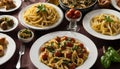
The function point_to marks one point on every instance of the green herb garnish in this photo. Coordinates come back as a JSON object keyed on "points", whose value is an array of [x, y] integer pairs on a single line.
{"points": [[50, 49], [41, 8], [111, 55], [75, 48], [108, 19]]}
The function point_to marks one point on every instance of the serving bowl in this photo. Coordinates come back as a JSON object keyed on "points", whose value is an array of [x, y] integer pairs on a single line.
{"points": [[25, 35], [83, 10], [114, 4]]}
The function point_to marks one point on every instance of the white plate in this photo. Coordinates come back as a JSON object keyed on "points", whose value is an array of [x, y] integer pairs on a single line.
{"points": [[16, 2], [11, 47], [15, 23], [90, 15], [114, 3], [37, 28], [34, 52]]}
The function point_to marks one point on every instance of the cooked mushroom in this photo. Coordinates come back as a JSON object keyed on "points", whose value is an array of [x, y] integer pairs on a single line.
{"points": [[4, 25]]}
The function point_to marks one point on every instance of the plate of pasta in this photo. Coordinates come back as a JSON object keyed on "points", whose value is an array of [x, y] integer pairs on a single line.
{"points": [[63, 50], [103, 23], [9, 5], [41, 16], [7, 48]]}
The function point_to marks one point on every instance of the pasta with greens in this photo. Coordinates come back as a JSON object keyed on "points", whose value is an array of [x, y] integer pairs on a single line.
{"points": [[41, 15], [106, 24], [63, 53]]}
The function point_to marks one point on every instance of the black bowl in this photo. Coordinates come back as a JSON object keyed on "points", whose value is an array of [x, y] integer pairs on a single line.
{"points": [[83, 10]]}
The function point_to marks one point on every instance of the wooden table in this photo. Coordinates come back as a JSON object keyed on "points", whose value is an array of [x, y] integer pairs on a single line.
{"points": [[26, 62]]}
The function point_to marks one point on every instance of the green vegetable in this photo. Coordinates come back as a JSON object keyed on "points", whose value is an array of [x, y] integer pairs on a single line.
{"points": [[111, 55], [108, 19], [75, 48], [41, 8], [51, 49]]}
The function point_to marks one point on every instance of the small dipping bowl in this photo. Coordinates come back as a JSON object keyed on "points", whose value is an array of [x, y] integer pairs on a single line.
{"points": [[25, 35]]}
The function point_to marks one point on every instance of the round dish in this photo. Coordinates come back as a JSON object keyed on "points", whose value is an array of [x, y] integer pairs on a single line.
{"points": [[38, 28], [89, 16], [17, 3], [81, 9], [114, 4], [34, 52], [11, 47], [25, 40], [15, 23]]}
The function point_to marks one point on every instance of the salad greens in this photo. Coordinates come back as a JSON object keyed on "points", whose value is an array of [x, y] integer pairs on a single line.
{"points": [[111, 55]]}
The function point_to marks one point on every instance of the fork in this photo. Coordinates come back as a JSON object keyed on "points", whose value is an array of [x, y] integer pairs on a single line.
{"points": [[21, 52]]}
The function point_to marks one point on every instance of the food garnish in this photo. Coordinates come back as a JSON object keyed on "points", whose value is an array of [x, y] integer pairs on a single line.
{"points": [[41, 8], [110, 55], [108, 19]]}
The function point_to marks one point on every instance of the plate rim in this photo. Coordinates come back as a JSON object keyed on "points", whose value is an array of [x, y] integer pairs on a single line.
{"points": [[86, 24], [20, 3], [114, 4], [8, 56], [15, 22], [53, 34], [20, 17]]}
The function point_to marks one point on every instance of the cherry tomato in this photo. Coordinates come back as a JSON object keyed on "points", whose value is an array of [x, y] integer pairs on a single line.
{"points": [[72, 40], [68, 55], [58, 54], [45, 56], [57, 39], [42, 49], [72, 11], [77, 13], [74, 17], [81, 45], [72, 66], [69, 44], [68, 14]]}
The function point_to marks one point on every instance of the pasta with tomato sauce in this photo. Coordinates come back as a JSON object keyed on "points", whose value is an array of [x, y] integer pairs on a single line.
{"points": [[63, 53]]}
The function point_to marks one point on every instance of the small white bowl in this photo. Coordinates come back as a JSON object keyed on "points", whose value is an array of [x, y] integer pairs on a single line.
{"points": [[25, 40]]}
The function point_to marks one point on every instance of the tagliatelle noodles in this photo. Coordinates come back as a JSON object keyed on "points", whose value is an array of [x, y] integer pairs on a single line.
{"points": [[100, 25], [41, 19]]}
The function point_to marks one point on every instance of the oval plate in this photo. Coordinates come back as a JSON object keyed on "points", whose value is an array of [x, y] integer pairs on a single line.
{"points": [[34, 52], [90, 15], [38, 28]]}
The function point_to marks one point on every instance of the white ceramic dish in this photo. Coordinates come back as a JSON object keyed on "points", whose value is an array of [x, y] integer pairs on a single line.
{"points": [[15, 23], [17, 3], [114, 4], [34, 52], [25, 40], [11, 47], [37, 28], [90, 15]]}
